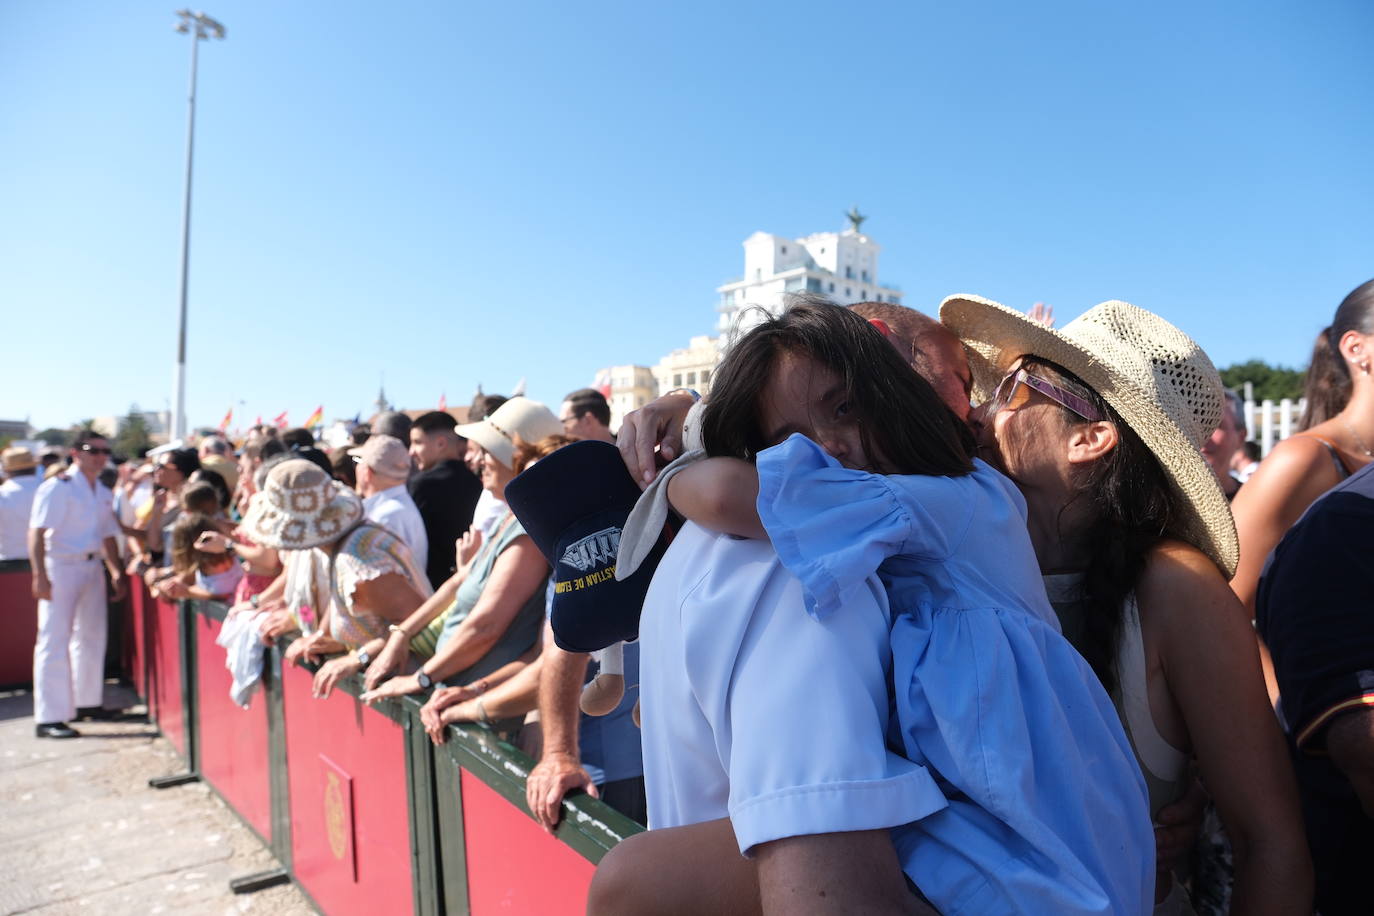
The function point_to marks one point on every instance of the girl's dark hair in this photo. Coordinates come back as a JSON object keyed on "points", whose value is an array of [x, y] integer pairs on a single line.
{"points": [[216, 480], [200, 498], [345, 469], [188, 527], [1327, 388], [900, 416], [184, 460], [1134, 507]]}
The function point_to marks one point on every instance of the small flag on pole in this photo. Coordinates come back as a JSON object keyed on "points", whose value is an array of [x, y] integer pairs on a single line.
{"points": [[443, 402], [315, 419], [228, 418], [280, 420]]}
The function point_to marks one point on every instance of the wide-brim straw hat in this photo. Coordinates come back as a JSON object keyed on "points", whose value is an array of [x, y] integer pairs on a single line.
{"points": [[528, 420], [300, 506], [1153, 375], [17, 458]]}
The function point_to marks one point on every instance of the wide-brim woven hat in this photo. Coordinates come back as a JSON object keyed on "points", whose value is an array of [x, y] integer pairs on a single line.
{"points": [[18, 458], [1153, 375], [300, 506], [519, 417]]}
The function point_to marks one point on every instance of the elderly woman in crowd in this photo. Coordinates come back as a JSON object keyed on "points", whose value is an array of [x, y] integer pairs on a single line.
{"points": [[490, 611], [346, 580], [1100, 426]]}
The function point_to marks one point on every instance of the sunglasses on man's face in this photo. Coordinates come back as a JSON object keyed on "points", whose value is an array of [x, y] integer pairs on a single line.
{"points": [[1015, 390], [95, 450]]}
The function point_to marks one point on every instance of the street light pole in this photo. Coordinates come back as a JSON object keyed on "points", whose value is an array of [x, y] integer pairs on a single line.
{"points": [[199, 26]]}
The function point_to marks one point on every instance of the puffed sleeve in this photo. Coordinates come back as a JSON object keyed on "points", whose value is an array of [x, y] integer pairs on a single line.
{"points": [[831, 526], [367, 554]]}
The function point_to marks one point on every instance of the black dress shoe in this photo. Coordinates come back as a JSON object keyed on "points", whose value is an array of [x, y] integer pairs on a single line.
{"points": [[56, 730], [97, 714]]}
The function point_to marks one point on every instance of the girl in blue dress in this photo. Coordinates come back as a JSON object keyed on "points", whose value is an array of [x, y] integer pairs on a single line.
{"points": [[826, 442]]}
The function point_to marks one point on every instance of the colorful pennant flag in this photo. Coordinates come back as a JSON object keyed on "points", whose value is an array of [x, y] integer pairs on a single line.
{"points": [[443, 402], [280, 420], [228, 417], [315, 419]]}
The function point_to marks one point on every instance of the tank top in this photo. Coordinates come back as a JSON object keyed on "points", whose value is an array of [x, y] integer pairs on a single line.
{"points": [[1336, 459]]}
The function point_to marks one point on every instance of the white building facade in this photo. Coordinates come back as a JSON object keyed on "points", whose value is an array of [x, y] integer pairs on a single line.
{"points": [[842, 266], [626, 388]]}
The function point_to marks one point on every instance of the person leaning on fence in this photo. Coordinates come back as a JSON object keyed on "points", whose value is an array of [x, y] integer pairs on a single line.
{"points": [[347, 579], [72, 524], [490, 611]]}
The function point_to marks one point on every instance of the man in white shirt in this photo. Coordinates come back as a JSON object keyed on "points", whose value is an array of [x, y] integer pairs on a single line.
{"points": [[71, 525], [16, 500], [383, 468]]}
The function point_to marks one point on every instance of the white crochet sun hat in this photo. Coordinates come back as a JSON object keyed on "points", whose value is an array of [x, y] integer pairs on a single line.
{"points": [[1151, 373], [300, 506]]}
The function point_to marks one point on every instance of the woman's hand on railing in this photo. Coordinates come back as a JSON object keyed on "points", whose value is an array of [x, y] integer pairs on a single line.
{"points": [[277, 623], [396, 687], [333, 671], [391, 659], [173, 589], [434, 713]]}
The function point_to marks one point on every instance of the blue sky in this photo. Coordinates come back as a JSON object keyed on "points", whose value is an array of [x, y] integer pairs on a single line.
{"points": [[453, 193]]}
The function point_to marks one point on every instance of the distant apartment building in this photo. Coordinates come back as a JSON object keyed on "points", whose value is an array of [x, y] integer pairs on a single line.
{"points": [[842, 266], [157, 421], [626, 388], [14, 429]]}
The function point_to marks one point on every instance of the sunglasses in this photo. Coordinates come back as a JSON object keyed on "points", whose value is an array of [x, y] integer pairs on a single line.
{"points": [[1014, 391], [96, 450]]}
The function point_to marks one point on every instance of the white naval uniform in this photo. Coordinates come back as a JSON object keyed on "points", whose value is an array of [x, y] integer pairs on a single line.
{"points": [[69, 657]]}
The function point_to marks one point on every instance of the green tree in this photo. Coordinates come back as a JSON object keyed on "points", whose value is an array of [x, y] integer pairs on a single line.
{"points": [[1271, 383], [133, 439], [58, 437]]}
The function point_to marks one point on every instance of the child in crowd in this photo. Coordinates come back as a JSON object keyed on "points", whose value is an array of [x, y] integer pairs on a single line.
{"points": [[828, 444], [198, 573]]}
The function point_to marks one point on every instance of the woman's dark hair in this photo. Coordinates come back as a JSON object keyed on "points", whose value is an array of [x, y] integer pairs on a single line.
{"points": [[216, 480], [900, 416], [1134, 507], [271, 447], [184, 460], [345, 469], [188, 527], [1327, 388]]}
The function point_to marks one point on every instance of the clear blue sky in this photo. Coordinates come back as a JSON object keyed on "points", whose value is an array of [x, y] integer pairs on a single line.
{"points": [[450, 193]]}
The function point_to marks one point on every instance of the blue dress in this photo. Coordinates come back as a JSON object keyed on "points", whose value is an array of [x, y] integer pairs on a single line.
{"points": [[1047, 808]]}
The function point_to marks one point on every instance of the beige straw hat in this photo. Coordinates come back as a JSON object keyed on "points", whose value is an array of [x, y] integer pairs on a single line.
{"points": [[518, 417], [1155, 376], [301, 506]]}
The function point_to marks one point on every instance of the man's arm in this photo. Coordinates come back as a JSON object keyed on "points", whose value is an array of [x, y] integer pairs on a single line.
{"points": [[114, 566], [1350, 742], [831, 873], [38, 548], [560, 767]]}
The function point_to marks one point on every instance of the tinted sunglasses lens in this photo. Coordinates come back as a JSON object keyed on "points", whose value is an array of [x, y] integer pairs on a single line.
{"points": [[95, 451]]}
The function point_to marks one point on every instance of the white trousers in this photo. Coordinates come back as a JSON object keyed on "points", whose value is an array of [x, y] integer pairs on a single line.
{"points": [[69, 657]]}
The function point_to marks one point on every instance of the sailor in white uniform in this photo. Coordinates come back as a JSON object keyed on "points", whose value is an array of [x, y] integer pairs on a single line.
{"points": [[71, 526]]}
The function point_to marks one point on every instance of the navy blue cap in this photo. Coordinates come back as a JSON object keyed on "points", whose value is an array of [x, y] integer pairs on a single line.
{"points": [[573, 504]]}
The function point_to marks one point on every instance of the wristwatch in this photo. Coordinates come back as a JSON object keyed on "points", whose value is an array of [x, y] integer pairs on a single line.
{"points": [[424, 680], [363, 658]]}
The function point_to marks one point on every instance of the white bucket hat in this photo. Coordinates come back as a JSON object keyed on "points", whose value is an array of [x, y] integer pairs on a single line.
{"points": [[300, 506], [518, 417], [1152, 374]]}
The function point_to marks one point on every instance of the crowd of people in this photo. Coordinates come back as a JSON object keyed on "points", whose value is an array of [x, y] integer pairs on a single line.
{"points": [[973, 614]]}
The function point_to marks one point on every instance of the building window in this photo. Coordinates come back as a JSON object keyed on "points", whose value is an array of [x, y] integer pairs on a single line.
{"points": [[813, 285], [705, 376], [846, 293], [677, 380], [832, 287], [758, 273], [691, 378], [848, 272], [864, 274], [784, 249], [865, 295]]}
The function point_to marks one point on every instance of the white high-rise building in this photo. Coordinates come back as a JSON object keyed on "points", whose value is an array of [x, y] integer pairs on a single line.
{"points": [[842, 266]]}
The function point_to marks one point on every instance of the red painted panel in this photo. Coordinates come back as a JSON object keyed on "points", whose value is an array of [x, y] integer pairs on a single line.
{"points": [[164, 676], [232, 741], [513, 865], [138, 615], [19, 623], [364, 751]]}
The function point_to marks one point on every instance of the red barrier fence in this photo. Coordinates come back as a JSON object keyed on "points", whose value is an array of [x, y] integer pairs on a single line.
{"points": [[18, 623]]}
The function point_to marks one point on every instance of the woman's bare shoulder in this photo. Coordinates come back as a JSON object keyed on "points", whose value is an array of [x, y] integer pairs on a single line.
{"points": [[1179, 578]]}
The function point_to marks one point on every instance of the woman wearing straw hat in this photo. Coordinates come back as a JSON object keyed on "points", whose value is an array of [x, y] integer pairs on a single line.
{"points": [[1136, 543], [347, 579]]}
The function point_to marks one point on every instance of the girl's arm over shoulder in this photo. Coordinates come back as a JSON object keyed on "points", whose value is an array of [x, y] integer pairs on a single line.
{"points": [[1290, 478], [1211, 666], [720, 494]]}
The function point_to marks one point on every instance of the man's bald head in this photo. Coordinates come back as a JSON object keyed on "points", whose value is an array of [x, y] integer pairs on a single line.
{"points": [[930, 348]]}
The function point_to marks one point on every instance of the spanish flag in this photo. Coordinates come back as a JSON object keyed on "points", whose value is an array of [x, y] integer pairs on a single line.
{"points": [[228, 418], [315, 419]]}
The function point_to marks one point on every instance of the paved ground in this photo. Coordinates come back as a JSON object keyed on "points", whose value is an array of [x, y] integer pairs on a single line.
{"points": [[81, 832]]}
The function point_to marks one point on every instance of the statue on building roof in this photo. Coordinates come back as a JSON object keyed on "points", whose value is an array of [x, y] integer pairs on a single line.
{"points": [[856, 218]]}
